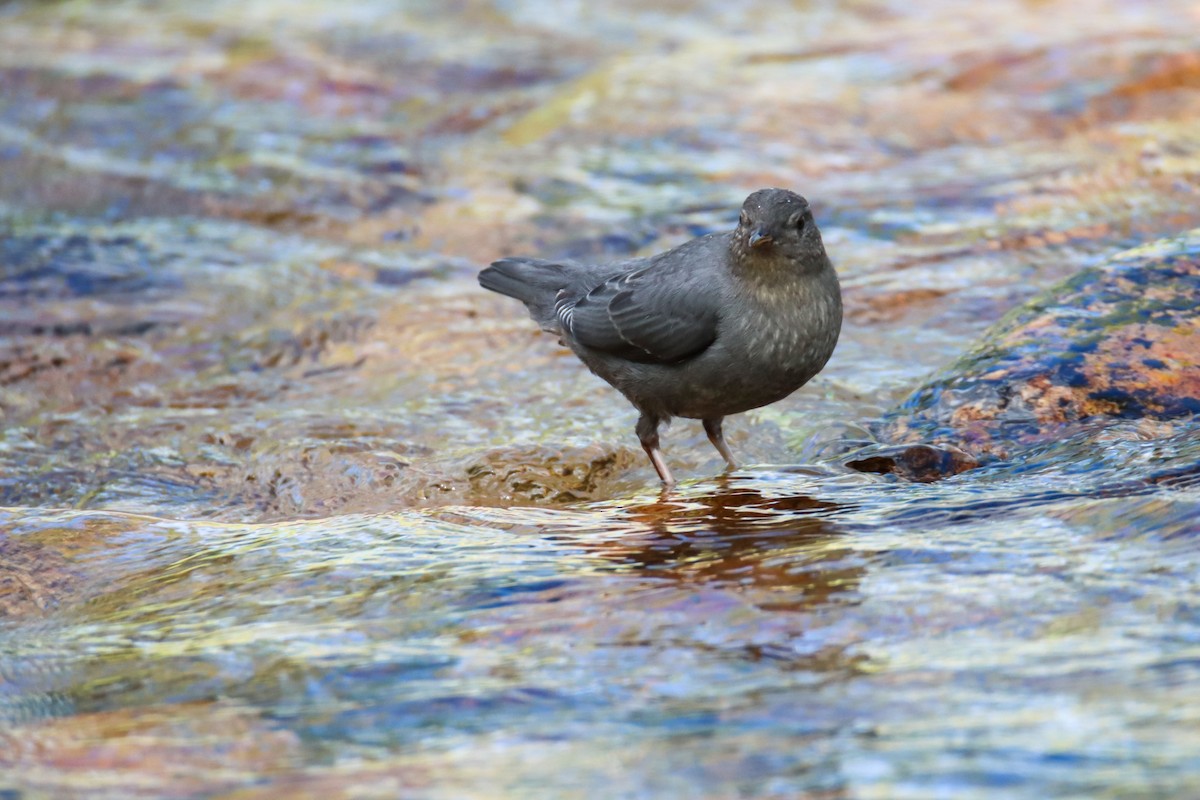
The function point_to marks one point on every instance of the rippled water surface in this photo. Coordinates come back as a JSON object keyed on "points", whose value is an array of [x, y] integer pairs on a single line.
{"points": [[291, 508]]}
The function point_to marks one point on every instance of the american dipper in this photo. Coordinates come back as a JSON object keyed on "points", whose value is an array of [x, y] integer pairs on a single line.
{"points": [[719, 325]]}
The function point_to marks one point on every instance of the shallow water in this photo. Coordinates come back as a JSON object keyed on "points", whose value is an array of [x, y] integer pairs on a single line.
{"points": [[292, 508], [770, 633]]}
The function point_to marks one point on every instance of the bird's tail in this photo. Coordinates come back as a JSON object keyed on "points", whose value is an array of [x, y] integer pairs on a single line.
{"points": [[533, 281]]}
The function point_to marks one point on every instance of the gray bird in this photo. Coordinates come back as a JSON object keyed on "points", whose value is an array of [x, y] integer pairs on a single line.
{"points": [[719, 325]]}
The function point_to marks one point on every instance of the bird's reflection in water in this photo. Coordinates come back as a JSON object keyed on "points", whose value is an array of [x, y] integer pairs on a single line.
{"points": [[781, 550]]}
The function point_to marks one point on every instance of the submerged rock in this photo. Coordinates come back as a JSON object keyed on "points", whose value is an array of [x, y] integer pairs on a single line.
{"points": [[529, 474], [32, 577], [1116, 341]]}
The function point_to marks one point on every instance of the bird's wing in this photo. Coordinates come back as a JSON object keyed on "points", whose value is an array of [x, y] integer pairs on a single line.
{"points": [[662, 313]]}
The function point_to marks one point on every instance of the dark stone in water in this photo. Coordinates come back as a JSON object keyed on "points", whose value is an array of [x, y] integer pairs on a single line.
{"points": [[1117, 341], [915, 462]]}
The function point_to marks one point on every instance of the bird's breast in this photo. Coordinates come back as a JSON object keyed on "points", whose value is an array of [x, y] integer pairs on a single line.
{"points": [[789, 329]]}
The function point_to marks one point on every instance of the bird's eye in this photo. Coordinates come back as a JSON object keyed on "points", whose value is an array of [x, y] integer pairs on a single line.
{"points": [[797, 220], [744, 219]]}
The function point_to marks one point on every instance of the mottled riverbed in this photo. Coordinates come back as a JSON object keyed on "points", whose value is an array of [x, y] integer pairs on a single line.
{"points": [[289, 507]]}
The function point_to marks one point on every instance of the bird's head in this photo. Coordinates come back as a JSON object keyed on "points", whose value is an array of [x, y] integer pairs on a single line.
{"points": [[775, 225]]}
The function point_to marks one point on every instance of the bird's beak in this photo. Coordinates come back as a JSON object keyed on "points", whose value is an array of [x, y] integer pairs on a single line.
{"points": [[758, 238]]}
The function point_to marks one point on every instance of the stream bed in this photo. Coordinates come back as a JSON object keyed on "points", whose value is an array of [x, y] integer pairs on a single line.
{"points": [[290, 507]]}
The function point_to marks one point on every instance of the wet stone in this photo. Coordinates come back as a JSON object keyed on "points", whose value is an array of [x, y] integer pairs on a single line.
{"points": [[922, 463], [532, 474], [1117, 341]]}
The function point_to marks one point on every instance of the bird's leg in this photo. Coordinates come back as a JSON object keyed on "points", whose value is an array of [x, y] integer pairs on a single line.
{"points": [[647, 431], [712, 426]]}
